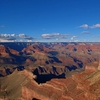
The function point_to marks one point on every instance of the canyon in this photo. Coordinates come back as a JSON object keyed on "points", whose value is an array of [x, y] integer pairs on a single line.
{"points": [[49, 71]]}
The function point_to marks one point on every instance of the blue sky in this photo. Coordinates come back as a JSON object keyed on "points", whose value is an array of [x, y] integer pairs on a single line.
{"points": [[50, 20]]}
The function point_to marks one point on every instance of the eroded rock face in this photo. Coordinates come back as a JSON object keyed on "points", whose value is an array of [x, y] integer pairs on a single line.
{"points": [[81, 86], [72, 56], [10, 56], [65, 53], [6, 51], [65, 57], [71, 72]]}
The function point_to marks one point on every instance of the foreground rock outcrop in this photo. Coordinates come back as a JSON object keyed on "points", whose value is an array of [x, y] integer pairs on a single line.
{"points": [[20, 85]]}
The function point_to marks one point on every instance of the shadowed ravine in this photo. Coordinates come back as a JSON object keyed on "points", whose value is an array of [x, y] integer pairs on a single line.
{"points": [[42, 78], [43, 75], [47, 77]]}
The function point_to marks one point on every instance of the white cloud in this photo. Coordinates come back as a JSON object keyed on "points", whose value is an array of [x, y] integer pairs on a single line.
{"points": [[95, 26], [25, 36], [29, 40], [85, 32], [13, 37], [72, 38], [85, 26], [46, 35], [7, 36], [54, 35], [12, 34], [3, 40], [21, 35]]}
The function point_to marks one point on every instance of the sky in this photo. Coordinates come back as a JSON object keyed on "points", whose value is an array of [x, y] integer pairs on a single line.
{"points": [[50, 20]]}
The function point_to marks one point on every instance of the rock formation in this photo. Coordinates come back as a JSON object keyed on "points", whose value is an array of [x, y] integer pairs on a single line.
{"points": [[22, 86], [50, 71]]}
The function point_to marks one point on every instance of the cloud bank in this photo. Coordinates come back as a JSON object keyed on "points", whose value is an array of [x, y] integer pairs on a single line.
{"points": [[23, 36], [54, 35], [86, 26], [13, 37]]}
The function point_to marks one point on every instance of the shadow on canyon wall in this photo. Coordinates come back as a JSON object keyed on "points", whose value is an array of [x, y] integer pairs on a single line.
{"points": [[42, 78], [35, 99]]}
